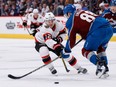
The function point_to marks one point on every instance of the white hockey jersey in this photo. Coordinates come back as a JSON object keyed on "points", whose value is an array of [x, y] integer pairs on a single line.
{"points": [[45, 33], [37, 21]]}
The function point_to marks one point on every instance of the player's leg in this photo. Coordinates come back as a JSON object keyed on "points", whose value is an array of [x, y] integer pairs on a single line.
{"points": [[44, 53], [74, 63], [91, 45], [101, 50], [93, 42]]}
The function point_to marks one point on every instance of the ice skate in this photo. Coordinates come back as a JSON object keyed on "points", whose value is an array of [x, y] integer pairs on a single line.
{"points": [[102, 69], [82, 70], [53, 70], [104, 73]]}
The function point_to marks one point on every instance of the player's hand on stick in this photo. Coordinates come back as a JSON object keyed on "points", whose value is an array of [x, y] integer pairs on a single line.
{"points": [[65, 54], [58, 39], [24, 24], [34, 32]]}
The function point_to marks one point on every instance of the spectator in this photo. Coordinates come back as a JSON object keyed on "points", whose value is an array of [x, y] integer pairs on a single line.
{"points": [[6, 10], [45, 9], [50, 2], [57, 10], [14, 11], [84, 6], [20, 7], [51, 8]]}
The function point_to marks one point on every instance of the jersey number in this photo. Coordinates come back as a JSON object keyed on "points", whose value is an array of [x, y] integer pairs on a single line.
{"points": [[88, 16]]}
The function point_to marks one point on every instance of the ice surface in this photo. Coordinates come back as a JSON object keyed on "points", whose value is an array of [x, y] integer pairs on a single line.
{"points": [[18, 57]]}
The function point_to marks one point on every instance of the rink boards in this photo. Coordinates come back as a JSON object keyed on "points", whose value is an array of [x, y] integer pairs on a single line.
{"points": [[11, 27], [26, 36]]}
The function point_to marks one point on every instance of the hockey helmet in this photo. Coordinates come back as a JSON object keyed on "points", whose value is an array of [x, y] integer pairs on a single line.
{"points": [[69, 9], [49, 16], [49, 19], [35, 11]]}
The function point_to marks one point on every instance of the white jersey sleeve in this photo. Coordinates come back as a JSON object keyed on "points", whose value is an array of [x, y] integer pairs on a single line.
{"points": [[40, 19], [28, 17]]}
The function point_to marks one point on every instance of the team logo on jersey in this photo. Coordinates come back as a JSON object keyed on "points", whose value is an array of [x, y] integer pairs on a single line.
{"points": [[10, 25]]}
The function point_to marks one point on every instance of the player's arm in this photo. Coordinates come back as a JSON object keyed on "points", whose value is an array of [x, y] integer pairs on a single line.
{"points": [[61, 36], [106, 11], [26, 18], [51, 43], [71, 38], [25, 21]]}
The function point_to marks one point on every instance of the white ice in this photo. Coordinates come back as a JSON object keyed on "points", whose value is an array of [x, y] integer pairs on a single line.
{"points": [[18, 57]]}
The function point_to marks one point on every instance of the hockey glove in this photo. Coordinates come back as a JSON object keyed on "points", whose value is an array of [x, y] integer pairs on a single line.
{"points": [[58, 39], [34, 32], [65, 54], [24, 24], [58, 48]]}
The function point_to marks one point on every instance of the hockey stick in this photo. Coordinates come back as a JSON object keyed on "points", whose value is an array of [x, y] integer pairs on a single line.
{"points": [[78, 42], [26, 27], [65, 66], [19, 77]]}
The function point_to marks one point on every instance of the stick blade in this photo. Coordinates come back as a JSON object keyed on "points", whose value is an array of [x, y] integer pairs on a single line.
{"points": [[13, 77]]}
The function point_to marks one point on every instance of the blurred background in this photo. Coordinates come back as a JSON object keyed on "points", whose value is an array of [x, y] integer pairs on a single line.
{"points": [[22, 7]]}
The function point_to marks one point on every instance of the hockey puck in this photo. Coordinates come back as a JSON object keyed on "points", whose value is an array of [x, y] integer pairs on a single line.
{"points": [[56, 82]]}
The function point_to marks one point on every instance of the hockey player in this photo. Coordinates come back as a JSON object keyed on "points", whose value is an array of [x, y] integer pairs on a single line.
{"points": [[95, 30], [110, 14], [49, 38], [36, 20], [111, 17]]}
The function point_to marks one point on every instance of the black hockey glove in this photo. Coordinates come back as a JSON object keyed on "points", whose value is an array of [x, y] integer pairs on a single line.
{"points": [[34, 32], [58, 48], [24, 24], [33, 26], [58, 39]]}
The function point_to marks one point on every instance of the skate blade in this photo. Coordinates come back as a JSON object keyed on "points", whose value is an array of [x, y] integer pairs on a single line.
{"points": [[103, 76]]}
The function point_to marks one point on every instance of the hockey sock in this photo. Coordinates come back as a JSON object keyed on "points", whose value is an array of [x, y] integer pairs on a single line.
{"points": [[102, 56], [73, 62], [90, 55], [46, 59]]}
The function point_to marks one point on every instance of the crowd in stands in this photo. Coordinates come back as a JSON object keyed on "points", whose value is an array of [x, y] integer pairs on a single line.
{"points": [[21, 7]]}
